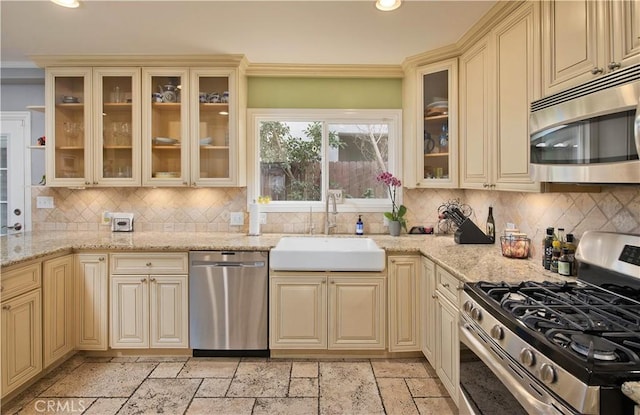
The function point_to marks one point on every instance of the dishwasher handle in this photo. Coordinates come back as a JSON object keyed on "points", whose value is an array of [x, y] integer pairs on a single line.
{"points": [[228, 264]]}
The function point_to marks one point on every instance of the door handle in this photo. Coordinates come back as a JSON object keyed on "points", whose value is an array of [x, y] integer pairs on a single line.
{"points": [[17, 226]]}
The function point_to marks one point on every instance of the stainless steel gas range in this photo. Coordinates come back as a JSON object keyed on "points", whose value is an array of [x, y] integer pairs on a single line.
{"points": [[556, 347]]}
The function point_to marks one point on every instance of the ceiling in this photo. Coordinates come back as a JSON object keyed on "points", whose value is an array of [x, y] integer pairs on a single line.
{"points": [[265, 31]]}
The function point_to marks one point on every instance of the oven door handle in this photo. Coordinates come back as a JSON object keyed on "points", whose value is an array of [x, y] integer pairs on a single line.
{"points": [[526, 399]]}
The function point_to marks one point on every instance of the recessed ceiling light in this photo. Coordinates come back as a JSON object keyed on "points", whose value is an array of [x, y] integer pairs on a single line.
{"points": [[388, 5], [67, 3]]}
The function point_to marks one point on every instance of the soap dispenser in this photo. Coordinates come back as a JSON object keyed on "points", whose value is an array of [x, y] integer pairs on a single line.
{"points": [[359, 226]]}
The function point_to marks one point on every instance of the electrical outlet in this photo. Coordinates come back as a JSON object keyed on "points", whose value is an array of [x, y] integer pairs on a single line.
{"points": [[338, 195], [44, 202], [263, 218], [106, 218], [236, 218], [385, 221]]}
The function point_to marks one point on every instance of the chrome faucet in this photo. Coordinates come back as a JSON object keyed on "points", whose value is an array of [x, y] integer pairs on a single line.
{"points": [[327, 222]]}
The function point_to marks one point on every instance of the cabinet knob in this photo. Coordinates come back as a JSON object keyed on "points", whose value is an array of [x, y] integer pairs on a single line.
{"points": [[148, 264], [87, 183], [393, 261], [153, 280], [445, 285], [485, 185], [597, 71], [6, 307], [101, 259], [614, 65], [333, 282], [143, 280], [434, 296]]}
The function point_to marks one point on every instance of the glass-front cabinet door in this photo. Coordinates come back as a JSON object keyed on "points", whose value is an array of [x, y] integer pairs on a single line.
{"points": [[437, 125], [165, 127], [213, 127], [117, 126], [68, 97]]}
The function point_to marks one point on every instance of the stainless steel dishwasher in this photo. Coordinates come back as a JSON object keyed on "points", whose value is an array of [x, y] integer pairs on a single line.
{"points": [[228, 314]]}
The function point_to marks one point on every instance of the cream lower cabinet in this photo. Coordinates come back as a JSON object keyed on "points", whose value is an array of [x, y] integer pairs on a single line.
{"points": [[92, 308], [447, 350], [58, 308], [426, 286], [21, 338], [327, 311], [149, 304], [404, 317]]}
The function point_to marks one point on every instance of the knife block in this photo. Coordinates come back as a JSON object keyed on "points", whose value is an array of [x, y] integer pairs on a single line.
{"points": [[469, 233]]}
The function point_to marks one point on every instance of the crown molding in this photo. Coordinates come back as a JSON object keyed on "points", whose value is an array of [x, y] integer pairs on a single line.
{"points": [[324, 70], [140, 60], [480, 29]]}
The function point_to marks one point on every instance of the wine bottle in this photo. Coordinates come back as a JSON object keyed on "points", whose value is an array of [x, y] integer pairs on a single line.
{"points": [[491, 225]]}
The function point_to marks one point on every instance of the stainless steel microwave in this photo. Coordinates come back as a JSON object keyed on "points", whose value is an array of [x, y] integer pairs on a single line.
{"points": [[590, 133]]}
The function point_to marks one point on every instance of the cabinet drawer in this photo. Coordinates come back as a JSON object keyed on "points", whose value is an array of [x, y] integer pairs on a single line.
{"points": [[150, 263], [447, 284], [20, 280]]}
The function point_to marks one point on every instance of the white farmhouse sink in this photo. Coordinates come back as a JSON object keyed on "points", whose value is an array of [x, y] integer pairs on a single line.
{"points": [[300, 253]]}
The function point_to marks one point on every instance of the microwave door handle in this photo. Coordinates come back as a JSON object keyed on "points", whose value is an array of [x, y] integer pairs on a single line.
{"points": [[636, 129]]}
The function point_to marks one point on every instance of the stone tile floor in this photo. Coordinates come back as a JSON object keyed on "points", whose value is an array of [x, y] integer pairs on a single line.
{"points": [[183, 385]]}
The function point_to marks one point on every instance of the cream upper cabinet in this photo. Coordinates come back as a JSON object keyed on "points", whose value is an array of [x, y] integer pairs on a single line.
{"points": [[136, 125], [69, 117], [214, 128], [433, 153], [93, 127], [315, 310], [426, 287], [404, 317], [585, 39], [165, 126], [475, 148], [499, 77], [191, 123], [58, 308], [21, 330], [116, 134], [92, 307]]}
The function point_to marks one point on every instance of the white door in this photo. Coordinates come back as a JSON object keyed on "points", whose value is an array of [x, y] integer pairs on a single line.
{"points": [[15, 168]]}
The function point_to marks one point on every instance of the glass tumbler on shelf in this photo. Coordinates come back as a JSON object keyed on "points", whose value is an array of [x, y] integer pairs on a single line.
{"points": [[71, 133]]}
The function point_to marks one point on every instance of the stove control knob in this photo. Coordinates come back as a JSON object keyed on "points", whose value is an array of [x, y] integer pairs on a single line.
{"points": [[468, 306], [547, 373], [497, 332], [476, 314], [527, 357]]}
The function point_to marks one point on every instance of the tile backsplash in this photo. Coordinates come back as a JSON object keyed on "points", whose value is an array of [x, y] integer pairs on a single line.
{"points": [[207, 210]]}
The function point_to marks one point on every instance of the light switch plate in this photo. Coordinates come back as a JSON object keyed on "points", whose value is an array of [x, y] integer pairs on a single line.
{"points": [[263, 218], [44, 202], [236, 218]]}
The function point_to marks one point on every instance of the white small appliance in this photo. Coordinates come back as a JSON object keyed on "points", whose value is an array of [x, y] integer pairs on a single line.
{"points": [[121, 222]]}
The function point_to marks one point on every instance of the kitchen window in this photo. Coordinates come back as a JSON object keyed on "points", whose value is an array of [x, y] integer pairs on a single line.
{"points": [[295, 156]]}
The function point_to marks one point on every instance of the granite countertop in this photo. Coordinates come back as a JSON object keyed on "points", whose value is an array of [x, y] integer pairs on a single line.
{"points": [[467, 262]]}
